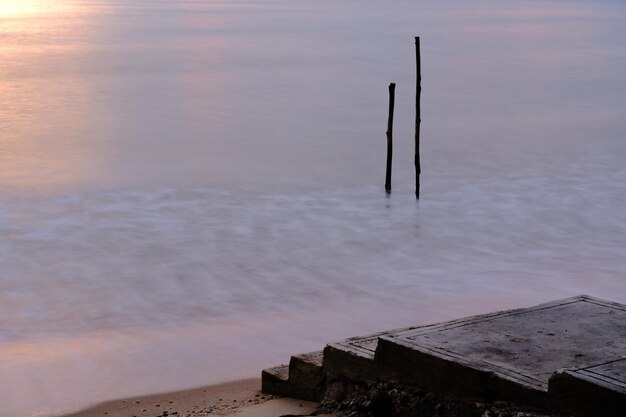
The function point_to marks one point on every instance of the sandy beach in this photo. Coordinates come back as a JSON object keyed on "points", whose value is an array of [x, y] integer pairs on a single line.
{"points": [[242, 398]]}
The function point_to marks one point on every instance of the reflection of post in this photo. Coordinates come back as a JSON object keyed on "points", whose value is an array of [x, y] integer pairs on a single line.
{"points": [[418, 119], [392, 93]]}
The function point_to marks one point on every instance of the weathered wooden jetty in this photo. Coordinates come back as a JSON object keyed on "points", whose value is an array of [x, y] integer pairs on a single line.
{"points": [[566, 356]]}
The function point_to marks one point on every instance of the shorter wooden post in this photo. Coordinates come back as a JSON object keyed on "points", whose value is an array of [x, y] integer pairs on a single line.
{"points": [[392, 93]]}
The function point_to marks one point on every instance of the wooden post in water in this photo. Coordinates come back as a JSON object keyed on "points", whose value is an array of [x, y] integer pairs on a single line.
{"points": [[418, 119], [392, 94]]}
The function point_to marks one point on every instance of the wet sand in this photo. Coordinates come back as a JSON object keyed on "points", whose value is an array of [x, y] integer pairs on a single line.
{"points": [[242, 398]]}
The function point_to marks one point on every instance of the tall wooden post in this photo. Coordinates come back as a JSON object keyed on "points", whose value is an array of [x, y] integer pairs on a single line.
{"points": [[392, 93], [418, 119]]}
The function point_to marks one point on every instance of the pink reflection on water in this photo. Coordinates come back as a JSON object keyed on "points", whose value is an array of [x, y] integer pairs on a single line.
{"points": [[42, 112]]}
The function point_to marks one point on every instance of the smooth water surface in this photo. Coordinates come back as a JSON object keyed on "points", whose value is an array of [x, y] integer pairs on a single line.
{"points": [[191, 191]]}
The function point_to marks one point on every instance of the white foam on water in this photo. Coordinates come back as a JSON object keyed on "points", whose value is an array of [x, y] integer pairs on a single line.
{"points": [[137, 291]]}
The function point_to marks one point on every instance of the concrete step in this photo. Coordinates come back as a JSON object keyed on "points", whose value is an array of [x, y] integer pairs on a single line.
{"points": [[306, 377], [353, 358], [568, 355], [508, 355], [598, 390], [303, 378], [275, 381]]}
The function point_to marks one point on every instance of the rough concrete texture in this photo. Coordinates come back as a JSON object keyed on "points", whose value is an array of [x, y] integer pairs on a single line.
{"points": [[353, 358], [598, 390], [303, 378], [559, 356], [509, 355], [275, 381], [306, 378]]}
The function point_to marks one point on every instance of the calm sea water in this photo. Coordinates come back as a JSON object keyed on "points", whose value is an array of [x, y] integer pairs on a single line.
{"points": [[191, 191]]}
